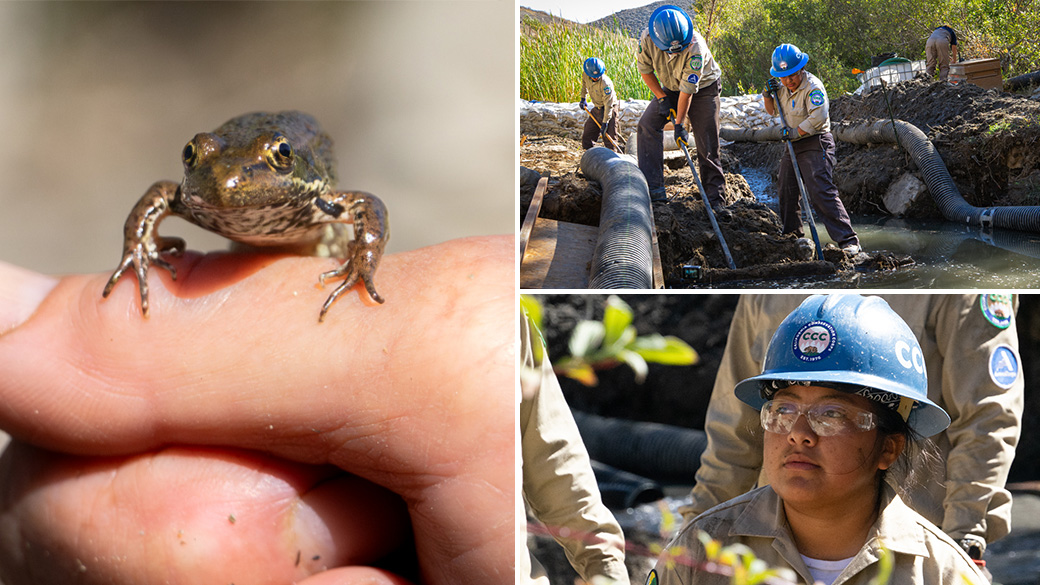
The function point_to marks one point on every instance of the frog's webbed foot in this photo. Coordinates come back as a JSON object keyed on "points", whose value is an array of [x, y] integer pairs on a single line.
{"points": [[371, 232], [142, 245]]}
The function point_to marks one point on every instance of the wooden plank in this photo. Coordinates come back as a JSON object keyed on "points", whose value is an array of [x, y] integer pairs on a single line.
{"points": [[559, 255], [658, 280], [532, 214]]}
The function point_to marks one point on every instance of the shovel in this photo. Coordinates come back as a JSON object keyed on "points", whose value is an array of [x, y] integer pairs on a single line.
{"points": [[801, 185], [603, 131], [704, 197]]}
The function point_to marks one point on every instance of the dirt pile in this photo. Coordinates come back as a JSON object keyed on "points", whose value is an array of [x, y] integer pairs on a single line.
{"points": [[684, 231], [988, 140]]}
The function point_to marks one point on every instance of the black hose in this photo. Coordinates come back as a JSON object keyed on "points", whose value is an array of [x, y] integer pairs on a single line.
{"points": [[940, 184], [661, 452], [621, 489], [1022, 81], [623, 257]]}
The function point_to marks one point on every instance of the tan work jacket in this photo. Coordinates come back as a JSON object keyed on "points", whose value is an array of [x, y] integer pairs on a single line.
{"points": [[601, 93], [686, 71], [807, 107], [960, 336], [559, 486], [923, 554]]}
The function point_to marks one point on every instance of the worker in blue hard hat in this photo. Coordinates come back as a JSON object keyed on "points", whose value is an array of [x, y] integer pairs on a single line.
{"points": [[843, 407], [602, 120], [970, 346], [677, 66], [805, 108]]}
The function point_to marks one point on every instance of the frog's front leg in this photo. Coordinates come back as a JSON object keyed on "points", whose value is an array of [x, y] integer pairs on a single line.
{"points": [[142, 243], [371, 232]]}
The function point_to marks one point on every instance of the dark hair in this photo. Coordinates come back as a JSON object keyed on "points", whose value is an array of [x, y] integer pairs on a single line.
{"points": [[919, 460]]}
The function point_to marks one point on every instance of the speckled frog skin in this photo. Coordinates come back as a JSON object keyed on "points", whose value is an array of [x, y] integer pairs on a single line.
{"points": [[262, 180]]}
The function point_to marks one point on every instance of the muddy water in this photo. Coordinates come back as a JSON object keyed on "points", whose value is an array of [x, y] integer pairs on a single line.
{"points": [[946, 255]]}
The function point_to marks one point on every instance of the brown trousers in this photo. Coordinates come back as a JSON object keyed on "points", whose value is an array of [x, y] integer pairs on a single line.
{"points": [[816, 160]]}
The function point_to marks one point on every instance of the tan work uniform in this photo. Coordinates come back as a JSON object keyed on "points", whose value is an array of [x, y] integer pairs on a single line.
{"points": [[962, 337], [807, 108], [558, 483], [694, 71], [937, 50], [922, 553], [605, 110]]}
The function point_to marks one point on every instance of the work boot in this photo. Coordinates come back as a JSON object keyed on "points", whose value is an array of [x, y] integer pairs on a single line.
{"points": [[721, 213], [852, 249]]}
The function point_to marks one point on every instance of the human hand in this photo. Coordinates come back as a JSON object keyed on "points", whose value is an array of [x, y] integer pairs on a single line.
{"points": [[583, 104], [773, 85], [681, 135], [785, 133], [230, 437]]}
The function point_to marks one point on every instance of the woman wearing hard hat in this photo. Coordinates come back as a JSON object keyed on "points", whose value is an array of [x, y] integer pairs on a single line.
{"points": [[602, 119], [844, 412], [803, 100]]}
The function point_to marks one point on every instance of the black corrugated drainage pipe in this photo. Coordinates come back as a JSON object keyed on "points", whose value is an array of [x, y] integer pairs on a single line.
{"points": [[621, 489], [661, 452], [623, 257], [944, 191], [1022, 81]]}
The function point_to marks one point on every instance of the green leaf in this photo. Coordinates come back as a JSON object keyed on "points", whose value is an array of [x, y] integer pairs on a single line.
{"points": [[586, 338], [636, 362], [617, 316], [668, 350]]}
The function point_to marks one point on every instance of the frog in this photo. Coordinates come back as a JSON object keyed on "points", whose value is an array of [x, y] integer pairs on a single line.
{"points": [[264, 181]]}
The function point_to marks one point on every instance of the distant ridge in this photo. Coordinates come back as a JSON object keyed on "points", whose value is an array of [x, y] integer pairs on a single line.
{"points": [[634, 20]]}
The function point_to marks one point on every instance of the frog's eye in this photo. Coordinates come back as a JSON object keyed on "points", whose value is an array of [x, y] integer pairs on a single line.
{"points": [[280, 154], [190, 155]]}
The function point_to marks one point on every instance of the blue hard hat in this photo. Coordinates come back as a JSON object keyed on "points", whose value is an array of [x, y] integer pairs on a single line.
{"points": [[671, 29], [594, 67], [849, 340], [787, 60]]}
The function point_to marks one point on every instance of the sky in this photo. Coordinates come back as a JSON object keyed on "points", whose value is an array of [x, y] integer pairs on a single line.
{"points": [[582, 10]]}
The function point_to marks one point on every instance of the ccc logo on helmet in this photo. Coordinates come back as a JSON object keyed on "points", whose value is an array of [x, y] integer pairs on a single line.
{"points": [[814, 341], [910, 357]]}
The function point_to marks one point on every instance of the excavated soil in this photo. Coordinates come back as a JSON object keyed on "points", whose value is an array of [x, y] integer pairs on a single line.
{"points": [[989, 141], [684, 231]]}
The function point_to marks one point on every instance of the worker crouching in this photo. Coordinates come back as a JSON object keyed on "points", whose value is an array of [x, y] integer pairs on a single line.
{"points": [[602, 120]]}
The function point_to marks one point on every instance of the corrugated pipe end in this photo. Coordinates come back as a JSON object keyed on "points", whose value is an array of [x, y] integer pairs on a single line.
{"points": [[623, 257]]}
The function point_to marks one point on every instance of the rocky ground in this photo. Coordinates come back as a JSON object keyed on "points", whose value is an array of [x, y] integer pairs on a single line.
{"points": [[987, 139]]}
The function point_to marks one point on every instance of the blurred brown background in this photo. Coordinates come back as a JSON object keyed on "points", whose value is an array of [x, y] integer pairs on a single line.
{"points": [[98, 99]]}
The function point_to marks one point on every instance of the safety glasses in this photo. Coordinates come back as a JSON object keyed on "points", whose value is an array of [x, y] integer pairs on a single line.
{"points": [[826, 419]]}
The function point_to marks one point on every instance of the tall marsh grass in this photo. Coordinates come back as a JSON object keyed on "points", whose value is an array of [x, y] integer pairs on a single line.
{"points": [[551, 55]]}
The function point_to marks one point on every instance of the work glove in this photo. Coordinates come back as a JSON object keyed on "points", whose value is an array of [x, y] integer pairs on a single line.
{"points": [[583, 104], [681, 134], [773, 85], [665, 103], [785, 134]]}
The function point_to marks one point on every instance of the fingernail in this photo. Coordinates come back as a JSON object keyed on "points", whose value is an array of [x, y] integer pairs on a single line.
{"points": [[21, 292]]}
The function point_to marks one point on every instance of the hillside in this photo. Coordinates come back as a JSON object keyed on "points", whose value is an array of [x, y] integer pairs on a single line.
{"points": [[634, 20]]}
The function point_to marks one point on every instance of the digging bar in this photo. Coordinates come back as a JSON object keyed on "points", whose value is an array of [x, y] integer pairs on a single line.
{"points": [[601, 129], [704, 197], [801, 185]]}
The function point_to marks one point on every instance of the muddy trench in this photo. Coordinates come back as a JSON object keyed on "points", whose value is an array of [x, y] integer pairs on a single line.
{"points": [[987, 139]]}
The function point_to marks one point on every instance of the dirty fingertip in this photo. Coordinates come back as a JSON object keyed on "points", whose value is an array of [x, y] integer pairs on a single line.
{"points": [[21, 292]]}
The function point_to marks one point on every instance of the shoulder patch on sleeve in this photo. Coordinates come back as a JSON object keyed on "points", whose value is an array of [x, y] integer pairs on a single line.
{"points": [[696, 62], [1003, 366], [606, 90], [997, 309], [651, 579], [816, 97], [693, 78]]}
